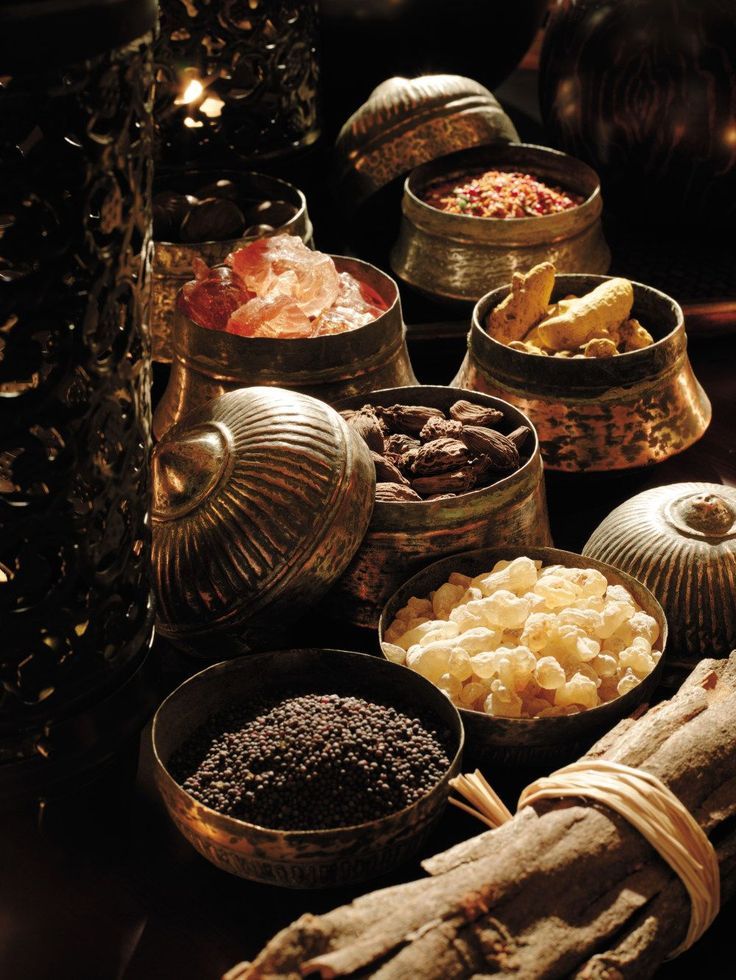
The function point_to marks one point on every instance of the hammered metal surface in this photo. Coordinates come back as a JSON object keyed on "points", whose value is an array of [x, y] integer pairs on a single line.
{"points": [[536, 741], [258, 64], [406, 122], [173, 262], [260, 499], [461, 257], [208, 363], [405, 536], [300, 859], [680, 541], [597, 414], [75, 171]]}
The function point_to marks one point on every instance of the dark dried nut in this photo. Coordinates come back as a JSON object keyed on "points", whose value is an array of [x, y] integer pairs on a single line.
{"points": [[400, 444], [458, 481], [273, 213], [441, 496], [469, 414], [439, 428], [519, 436], [169, 210], [213, 220], [501, 451], [395, 491], [386, 471], [439, 456], [219, 188], [407, 418], [258, 231], [368, 428]]}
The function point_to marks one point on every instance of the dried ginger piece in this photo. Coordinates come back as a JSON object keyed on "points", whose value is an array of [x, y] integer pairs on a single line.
{"points": [[633, 336], [589, 316], [525, 305]]}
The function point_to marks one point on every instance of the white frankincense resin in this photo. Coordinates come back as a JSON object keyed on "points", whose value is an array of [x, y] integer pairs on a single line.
{"points": [[523, 641]]}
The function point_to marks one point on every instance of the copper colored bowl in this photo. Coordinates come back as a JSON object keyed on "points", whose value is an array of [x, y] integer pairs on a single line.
{"points": [[172, 261], [535, 741], [405, 536], [610, 413], [294, 858], [208, 363], [460, 257]]}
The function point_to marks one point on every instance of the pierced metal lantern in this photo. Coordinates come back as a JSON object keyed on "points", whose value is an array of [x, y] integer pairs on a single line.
{"points": [[75, 176], [235, 79]]}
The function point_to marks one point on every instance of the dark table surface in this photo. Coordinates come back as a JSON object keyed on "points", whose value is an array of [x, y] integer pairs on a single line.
{"points": [[111, 890]]}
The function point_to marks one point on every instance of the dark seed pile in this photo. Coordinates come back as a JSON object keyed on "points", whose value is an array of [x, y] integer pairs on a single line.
{"points": [[311, 761]]}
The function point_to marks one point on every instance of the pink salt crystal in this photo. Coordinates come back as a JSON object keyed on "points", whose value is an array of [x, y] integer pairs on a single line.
{"points": [[283, 264], [211, 298], [272, 316], [350, 310]]}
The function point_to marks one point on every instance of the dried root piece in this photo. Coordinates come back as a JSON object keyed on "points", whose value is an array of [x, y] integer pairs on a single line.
{"points": [[589, 316], [469, 414], [525, 305], [600, 347], [632, 336], [391, 492]]}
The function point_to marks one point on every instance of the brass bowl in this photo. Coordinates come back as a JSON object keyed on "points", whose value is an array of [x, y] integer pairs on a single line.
{"points": [[208, 363], [460, 257], [612, 413], [407, 121], [259, 500], [680, 541], [535, 741], [172, 261], [405, 536], [311, 858]]}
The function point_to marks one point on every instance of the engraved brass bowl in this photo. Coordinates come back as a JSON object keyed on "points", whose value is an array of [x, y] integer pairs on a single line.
{"points": [[405, 536], [406, 122], [680, 541], [310, 858], [259, 500], [172, 261], [208, 363], [459, 257], [535, 741], [612, 413]]}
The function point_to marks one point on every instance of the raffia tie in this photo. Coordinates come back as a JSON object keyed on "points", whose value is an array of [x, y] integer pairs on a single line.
{"points": [[640, 798]]}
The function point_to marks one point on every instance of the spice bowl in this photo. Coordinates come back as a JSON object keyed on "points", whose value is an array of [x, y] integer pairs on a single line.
{"points": [[458, 257], [172, 261], [301, 859], [613, 413], [535, 742], [208, 363], [404, 536]]}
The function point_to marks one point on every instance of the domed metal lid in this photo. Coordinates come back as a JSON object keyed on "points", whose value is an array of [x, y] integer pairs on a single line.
{"points": [[260, 500], [408, 121], [680, 541]]}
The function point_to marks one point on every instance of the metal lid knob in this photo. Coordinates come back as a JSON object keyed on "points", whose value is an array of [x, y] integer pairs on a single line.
{"points": [[186, 470], [703, 514]]}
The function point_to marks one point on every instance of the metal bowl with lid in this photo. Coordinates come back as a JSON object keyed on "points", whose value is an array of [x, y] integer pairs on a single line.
{"points": [[458, 257], [260, 499], [406, 535], [301, 858], [611, 413], [536, 741], [680, 541], [172, 261], [208, 363]]}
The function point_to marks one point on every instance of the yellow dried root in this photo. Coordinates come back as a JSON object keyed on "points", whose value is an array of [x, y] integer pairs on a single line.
{"points": [[632, 336], [525, 305], [589, 316]]}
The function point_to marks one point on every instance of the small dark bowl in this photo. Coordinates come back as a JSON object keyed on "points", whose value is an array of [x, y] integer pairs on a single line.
{"points": [[300, 858], [535, 741]]}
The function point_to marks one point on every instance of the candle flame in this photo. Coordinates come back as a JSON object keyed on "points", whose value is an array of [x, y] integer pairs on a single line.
{"points": [[191, 93]]}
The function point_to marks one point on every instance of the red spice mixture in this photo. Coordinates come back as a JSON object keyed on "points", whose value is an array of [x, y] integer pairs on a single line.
{"points": [[500, 194]]}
